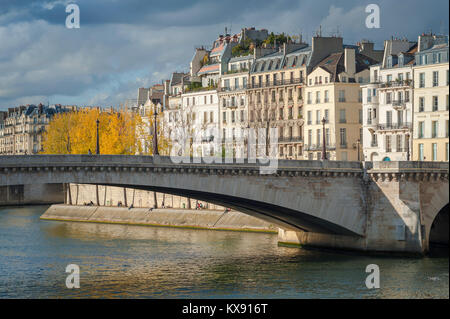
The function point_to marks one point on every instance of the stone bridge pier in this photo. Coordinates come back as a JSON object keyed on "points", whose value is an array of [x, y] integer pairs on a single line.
{"points": [[372, 206], [406, 209]]}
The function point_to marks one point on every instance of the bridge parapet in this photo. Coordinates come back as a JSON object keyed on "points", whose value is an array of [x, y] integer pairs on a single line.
{"points": [[417, 171], [165, 165]]}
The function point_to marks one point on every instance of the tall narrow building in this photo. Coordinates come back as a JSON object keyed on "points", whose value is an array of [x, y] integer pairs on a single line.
{"points": [[431, 104]]}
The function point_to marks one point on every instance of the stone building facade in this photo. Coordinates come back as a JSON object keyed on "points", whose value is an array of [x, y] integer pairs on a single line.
{"points": [[22, 128], [431, 102]]}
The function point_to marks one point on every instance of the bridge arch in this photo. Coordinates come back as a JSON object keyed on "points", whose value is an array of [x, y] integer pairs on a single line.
{"points": [[313, 196], [439, 230]]}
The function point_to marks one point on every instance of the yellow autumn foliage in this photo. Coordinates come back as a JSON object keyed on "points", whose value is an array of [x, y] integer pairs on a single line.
{"points": [[120, 133]]}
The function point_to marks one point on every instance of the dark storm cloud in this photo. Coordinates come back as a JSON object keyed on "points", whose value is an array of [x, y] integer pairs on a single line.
{"points": [[122, 45]]}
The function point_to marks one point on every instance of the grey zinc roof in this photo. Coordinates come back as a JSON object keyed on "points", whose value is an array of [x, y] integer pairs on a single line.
{"points": [[277, 61]]}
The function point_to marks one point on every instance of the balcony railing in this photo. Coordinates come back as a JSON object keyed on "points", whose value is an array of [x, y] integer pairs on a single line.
{"points": [[394, 126], [233, 88], [275, 83], [290, 139], [397, 83], [318, 147]]}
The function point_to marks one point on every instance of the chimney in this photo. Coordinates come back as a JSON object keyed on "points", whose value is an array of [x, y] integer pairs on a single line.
{"points": [[350, 61]]}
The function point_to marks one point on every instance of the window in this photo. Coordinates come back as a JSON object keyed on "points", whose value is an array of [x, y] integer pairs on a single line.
{"points": [[326, 116], [360, 117], [434, 129], [421, 152], [400, 118], [421, 129], [374, 140], [327, 98], [343, 137], [318, 137], [434, 146], [388, 98], [369, 116], [388, 143], [435, 78], [389, 118], [317, 97], [224, 117], [341, 96], [398, 143], [342, 118], [309, 117], [422, 80], [327, 136], [318, 117], [310, 136], [421, 104], [309, 98], [211, 117], [435, 103], [446, 128], [299, 94]]}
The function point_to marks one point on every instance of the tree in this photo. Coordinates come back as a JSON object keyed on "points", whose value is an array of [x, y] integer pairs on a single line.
{"points": [[76, 133], [278, 38], [145, 132]]}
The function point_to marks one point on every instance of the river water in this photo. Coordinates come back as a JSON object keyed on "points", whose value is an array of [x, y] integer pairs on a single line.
{"points": [[118, 261]]}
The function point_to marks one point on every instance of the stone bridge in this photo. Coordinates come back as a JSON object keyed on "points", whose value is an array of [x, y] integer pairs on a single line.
{"points": [[379, 206]]}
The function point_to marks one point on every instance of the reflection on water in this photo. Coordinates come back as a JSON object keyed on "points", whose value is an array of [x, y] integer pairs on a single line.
{"points": [[121, 261]]}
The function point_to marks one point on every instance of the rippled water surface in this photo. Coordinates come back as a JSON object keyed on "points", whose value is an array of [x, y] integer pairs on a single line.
{"points": [[148, 262]]}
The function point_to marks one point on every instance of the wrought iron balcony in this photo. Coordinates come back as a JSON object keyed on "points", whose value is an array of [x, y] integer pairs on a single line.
{"points": [[394, 126]]}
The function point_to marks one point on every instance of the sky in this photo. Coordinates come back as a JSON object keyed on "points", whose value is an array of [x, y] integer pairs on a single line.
{"points": [[123, 45]]}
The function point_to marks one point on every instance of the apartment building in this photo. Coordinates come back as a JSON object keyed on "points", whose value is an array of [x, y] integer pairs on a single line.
{"points": [[22, 128], [388, 104], [275, 96], [333, 108], [233, 103], [431, 102], [200, 118]]}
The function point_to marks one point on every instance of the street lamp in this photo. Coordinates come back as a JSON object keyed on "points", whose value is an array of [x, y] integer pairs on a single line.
{"points": [[407, 146], [357, 143], [155, 133], [324, 147], [98, 139]]}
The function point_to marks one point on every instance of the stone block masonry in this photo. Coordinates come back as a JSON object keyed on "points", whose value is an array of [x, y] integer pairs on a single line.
{"points": [[184, 218], [81, 194]]}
